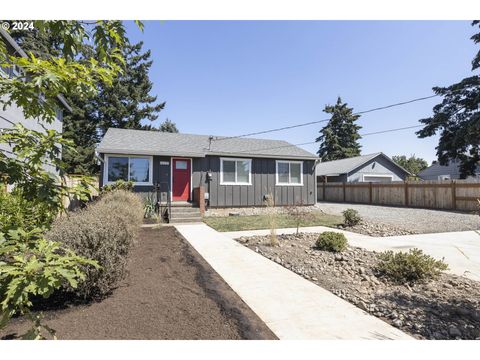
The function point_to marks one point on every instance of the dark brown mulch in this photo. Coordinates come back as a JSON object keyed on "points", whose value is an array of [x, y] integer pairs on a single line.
{"points": [[170, 293]]}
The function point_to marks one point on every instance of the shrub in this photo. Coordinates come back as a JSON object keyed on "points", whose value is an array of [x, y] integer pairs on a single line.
{"points": [[351, 217], [331, 241], [16, 211], [409, 267], [104, 231], [272, 219], [118, 185]]}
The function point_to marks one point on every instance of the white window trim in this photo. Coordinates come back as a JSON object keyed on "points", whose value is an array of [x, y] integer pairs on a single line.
{"points": [[139, 183], [379, 175], [278, 183], [236, 182]]}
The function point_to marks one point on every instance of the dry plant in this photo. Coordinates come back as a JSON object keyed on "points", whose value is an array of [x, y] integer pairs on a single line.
{"points": [[272, 219], [299, 214]]}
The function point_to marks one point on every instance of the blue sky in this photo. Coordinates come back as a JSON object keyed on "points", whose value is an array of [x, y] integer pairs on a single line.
{"points": [[230, 78]]}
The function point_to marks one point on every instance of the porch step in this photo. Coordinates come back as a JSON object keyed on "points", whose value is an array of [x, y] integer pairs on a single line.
{"points": [[186, 214], [185, 220]]}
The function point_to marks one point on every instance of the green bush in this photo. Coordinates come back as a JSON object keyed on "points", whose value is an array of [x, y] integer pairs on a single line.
{"points": [[105, 232], [331, 241], [409, 267], [118, 185], [351, 217], [18, 212]]}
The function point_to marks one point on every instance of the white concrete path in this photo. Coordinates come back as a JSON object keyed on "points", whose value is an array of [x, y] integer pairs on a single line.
{"points": [[292, 307], [461, 250]]}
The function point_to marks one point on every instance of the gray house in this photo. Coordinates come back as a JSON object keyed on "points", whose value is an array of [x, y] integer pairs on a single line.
{"points": [[444, 172], [232, 172], [376, 167], [13, 115]]}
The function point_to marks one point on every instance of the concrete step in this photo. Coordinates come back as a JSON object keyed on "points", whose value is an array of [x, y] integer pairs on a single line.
{"points": [[179, 210], [185, 220], [185, 215]]}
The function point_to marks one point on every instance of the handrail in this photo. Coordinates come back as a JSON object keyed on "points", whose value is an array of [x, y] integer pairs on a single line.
{"points": [[158, 188]]}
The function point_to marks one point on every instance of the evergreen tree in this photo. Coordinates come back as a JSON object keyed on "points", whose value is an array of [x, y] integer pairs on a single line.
{"points": [[168, 126], [339, 138], [457, 119]]}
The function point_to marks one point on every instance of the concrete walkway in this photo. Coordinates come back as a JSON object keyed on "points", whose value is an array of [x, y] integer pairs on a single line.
{"points": [[291, 306], [461, 250]]}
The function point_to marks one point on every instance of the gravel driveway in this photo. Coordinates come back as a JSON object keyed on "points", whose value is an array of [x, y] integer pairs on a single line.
{"points": [[419, 220]]}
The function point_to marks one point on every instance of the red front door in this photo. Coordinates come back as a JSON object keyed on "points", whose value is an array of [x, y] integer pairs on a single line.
{"points": [[181, 179]]}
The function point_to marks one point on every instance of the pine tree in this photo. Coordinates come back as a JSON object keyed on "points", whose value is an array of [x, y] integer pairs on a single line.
{"points": [[168, 126], [339, 138], [457, 119]]}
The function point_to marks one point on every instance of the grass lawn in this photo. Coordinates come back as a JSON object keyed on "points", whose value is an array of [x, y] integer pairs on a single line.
{"points": [[255, 222]]}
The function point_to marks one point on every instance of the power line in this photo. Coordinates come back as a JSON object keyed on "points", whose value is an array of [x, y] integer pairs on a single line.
{"points": [[325, 120], [313, 142]]}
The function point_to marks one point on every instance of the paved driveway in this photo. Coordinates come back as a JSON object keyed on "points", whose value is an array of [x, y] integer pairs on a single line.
{"points": [[422, 221], [461, 250]]}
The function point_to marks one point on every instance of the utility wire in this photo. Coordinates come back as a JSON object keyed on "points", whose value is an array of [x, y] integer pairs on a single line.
{"points": [[325, 120], [313, 142]]}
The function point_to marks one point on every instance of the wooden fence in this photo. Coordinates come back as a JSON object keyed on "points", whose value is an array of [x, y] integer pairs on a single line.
{"points": [[451, 195]]}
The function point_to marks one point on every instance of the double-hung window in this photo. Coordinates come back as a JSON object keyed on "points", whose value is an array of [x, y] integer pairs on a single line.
{"points": [[235, 171], [289, 172], [129, 168]]}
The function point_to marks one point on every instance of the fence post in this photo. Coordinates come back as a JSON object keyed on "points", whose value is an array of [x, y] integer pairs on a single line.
{"points": [[324, 185], [344, 193], [454, 195], [406, 193], [370, 194]]}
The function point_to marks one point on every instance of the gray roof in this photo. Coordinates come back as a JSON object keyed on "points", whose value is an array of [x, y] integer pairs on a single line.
{"points": [[344, 166], [435, 170], [143, 142]]}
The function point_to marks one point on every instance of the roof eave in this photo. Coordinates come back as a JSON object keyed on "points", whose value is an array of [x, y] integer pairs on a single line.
{"points": [[268, 156], [147, 152]]}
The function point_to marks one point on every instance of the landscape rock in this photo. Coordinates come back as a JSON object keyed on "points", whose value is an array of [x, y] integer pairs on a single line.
{"points": [[424, 310]]}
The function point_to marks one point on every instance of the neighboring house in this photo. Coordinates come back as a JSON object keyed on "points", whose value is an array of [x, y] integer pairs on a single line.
{"points": [[444, 172], [376, 167], [13, 115], [233, 171]]}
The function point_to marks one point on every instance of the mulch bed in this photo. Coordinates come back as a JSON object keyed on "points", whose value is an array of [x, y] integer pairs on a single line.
{"points": [[169, 293], [445, 308]]}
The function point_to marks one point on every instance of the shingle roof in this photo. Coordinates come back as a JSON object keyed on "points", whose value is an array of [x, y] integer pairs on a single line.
{"points": [[142, 142], [453, 169], [344, 166]]}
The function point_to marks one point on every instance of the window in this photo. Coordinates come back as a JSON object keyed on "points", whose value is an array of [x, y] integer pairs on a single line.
{"points": [[289, 173], [133, 168], [181, 165], [235, 171]]}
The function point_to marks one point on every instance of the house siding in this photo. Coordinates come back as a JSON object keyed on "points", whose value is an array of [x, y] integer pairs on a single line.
{"points": [[263, 182], [13, 114]]}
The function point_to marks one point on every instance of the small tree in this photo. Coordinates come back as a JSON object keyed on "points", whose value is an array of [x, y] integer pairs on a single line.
{"points": [[299, 214]]}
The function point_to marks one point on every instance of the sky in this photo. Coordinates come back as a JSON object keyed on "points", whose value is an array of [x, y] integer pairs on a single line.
{"points": [[235, 77]]}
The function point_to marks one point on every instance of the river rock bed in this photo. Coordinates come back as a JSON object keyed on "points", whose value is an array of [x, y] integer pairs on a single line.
{"points": [[377, 229], [446, 308]]}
